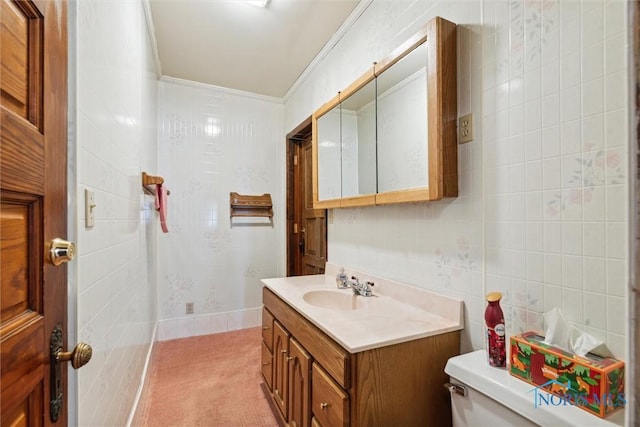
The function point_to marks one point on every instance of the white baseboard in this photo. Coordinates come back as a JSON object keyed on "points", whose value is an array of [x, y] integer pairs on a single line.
{"points": [[143, 378], [205, 324]]}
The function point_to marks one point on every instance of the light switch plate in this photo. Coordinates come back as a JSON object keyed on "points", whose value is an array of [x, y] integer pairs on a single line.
{"points": [[89, 207], [465, 128]]}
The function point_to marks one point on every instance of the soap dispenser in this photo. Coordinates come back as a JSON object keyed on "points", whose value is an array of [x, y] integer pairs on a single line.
{"points": [[341, 279]]}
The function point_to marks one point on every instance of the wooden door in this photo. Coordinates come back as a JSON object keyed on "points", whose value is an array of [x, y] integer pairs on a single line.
{"points": [[314, 222], [306, 227], [299, 385], [280, 367], [33, 140]]}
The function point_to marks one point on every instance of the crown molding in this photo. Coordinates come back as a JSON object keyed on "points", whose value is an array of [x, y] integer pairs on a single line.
{"points": [[225, 90], [360, 8], [151, 30]]}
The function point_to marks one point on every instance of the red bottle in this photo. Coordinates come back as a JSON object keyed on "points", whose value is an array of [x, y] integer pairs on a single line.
{"points": [[494, 319]]}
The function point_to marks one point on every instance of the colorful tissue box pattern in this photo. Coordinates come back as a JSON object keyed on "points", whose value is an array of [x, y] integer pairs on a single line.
{"points": [[593, 383]]}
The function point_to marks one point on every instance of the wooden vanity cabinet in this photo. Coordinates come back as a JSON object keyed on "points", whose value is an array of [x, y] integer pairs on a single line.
{"points": [[318, 383]]}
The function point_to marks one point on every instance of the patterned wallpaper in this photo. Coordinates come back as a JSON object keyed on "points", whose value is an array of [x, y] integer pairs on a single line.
{"points": [[542, 213], [557, 156], [213, 141]]}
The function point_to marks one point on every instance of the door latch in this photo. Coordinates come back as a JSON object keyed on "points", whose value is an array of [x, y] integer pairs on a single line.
{"points": [[79, 357]]}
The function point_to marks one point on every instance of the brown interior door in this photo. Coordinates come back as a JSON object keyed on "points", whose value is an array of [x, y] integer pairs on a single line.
{"points": [[306, 227], [313, 233], [33, 167]]}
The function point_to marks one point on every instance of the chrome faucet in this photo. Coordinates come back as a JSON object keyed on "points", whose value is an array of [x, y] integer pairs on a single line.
{"points": [[363, 289]]}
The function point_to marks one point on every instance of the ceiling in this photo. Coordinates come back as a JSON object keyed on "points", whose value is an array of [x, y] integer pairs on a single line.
{"points": [[234, 44]]}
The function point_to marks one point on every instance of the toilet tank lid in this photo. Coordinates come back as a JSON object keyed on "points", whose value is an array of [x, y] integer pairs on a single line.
{"points": [[473, 370]]}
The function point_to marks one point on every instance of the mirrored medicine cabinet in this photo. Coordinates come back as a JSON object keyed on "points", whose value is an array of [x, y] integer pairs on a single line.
{"points": [[390, 136]]}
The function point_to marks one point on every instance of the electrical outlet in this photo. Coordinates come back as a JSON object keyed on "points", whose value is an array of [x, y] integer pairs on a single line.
{"points": [[465, 127], [189, 308]]}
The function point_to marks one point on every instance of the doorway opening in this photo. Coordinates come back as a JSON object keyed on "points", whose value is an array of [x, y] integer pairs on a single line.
{"points": [[306, 227]]}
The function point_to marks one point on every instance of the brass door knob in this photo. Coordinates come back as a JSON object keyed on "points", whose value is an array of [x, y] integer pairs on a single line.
{"points": [[62, 251], [79, 357]]}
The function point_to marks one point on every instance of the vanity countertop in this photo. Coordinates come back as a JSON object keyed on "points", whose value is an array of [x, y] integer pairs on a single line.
{"points": [[396, 313]]}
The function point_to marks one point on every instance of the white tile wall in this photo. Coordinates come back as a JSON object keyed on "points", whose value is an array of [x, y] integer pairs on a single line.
{"points": [[542, 211], [212, 142], [583, 258], [116, 266]]}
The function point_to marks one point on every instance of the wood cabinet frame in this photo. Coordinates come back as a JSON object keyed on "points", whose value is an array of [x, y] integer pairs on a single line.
{"points": [[440, 37], [399, 384]]}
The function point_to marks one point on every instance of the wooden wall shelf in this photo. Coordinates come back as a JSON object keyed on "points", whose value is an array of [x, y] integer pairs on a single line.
{"points": [[250, 206], [149, 183]]}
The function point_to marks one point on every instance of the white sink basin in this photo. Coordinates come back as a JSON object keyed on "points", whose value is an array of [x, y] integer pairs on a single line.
{"points": [[396, 312], [335, 300]]}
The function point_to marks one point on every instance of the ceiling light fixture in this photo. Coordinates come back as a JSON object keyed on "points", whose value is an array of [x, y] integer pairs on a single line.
{"points": [[259, 3]]}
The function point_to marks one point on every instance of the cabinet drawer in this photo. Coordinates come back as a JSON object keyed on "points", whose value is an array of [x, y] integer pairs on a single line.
{"points": [[267, 328], [267, 366], [329, 402]]}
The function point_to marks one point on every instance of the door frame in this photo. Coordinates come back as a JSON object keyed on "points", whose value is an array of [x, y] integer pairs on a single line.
{"points": [[47, 51], [295, 198], [72, 202]]}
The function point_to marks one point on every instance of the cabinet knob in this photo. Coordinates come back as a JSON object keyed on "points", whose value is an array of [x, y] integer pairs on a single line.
{"points": [[283, 351], [264, 328], [323, 405], [289, 357]]}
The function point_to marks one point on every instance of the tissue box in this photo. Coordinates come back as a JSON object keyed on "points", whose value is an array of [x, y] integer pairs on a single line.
{"points": [[592, 383]]}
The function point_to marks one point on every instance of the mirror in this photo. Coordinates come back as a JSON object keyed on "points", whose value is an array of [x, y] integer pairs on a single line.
{"points": [[402, 123], [391, 136], [358, 113], [329, 156]]}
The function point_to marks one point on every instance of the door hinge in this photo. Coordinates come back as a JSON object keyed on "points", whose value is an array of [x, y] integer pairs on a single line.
{"points": [[295, 228], [295, 160]]}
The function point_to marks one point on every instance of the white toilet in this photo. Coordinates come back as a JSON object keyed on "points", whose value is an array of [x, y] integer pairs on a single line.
{"points": [[482, 395]]}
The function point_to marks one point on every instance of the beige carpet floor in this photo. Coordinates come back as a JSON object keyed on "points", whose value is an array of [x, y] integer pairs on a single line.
{"points": [[211, 380]]}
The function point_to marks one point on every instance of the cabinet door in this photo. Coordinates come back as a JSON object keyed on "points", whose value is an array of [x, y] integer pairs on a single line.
{"points": [[280, 364], [299, 385], [267, 366], [267, 328], [329, 402]]}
